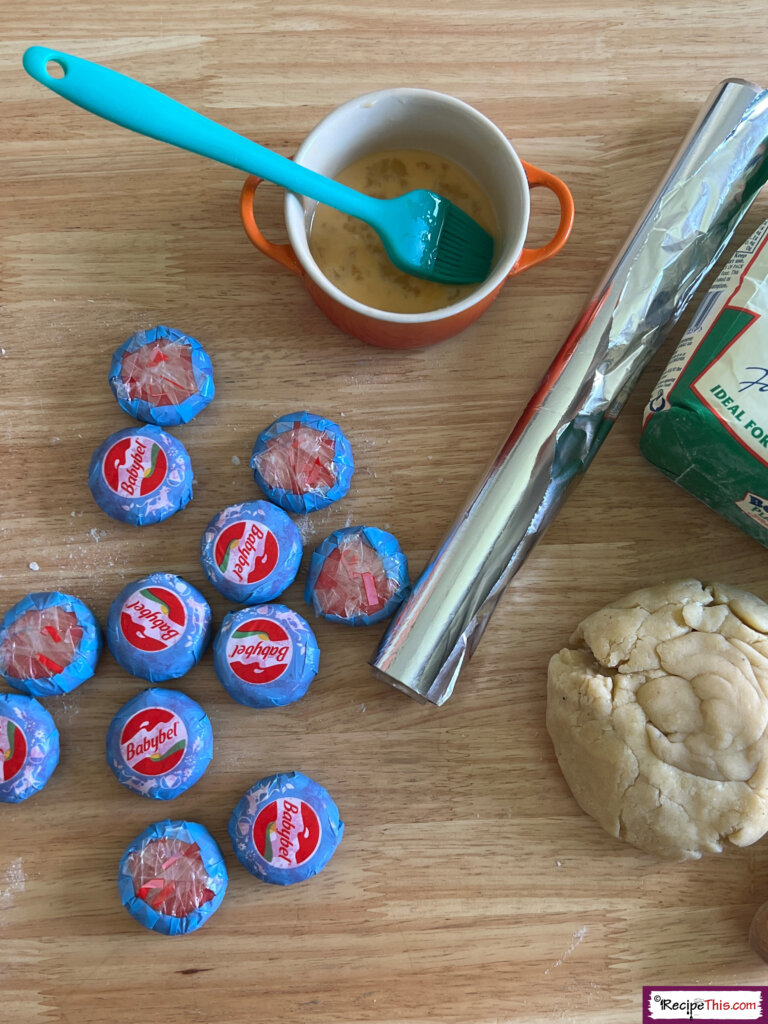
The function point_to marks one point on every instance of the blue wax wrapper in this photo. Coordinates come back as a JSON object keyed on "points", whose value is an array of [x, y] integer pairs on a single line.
{"points": [[160, 743], [265, 656], [251, 552], [285, 828], [29, 747], [49, 644], [303, 462], [161, 376], [358, 576], [172, 877], [158, 627], [140, 475]]}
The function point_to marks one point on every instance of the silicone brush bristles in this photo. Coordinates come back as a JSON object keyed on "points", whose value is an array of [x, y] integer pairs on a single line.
{"points": [[426, 235], [464, 249]]}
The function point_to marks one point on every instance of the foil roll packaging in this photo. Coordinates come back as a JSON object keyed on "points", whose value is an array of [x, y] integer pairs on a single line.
{"points": [[710, 184]]}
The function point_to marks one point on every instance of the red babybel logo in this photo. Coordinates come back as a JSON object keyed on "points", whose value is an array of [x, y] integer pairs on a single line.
{"points": [[259, 651], [287, 832], [153, 619], [246, 551], [135, 466], [153, 741], [13, 749]]}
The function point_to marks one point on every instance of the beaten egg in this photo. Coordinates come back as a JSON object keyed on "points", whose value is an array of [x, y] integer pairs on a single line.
{"points": [[351, 254]]}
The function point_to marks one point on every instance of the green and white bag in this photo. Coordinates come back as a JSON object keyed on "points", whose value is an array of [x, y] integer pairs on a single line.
{"points": [[706, 425]]}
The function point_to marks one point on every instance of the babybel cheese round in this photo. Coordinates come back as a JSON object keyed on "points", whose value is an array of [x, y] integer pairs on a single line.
{"points": [[160, 743], [29, 747], [286, 828], [141, 475], [158, 627], [172, 877], [251, 552], [265, 656], [358, 575], [49, 644], [162, 376], [302, 462]]}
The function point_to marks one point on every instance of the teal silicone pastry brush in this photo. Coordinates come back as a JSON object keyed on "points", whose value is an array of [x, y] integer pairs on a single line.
{"points": [[423, 233]]}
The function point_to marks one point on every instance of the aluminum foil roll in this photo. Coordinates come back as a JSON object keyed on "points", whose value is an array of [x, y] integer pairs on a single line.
{"points": [[710, 184]]}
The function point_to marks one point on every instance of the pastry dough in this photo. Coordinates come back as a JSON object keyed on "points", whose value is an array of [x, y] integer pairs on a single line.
{"points": [[658, 715]]}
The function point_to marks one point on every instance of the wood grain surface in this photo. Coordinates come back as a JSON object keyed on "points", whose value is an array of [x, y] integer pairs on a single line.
{"points": [[469, 887]]}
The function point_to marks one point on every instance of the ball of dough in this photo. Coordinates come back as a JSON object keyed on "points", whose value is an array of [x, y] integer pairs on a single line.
{"points": [[658, 715]]}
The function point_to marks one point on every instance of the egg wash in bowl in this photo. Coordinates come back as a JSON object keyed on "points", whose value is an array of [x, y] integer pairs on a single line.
{"points": [[350, 253]]}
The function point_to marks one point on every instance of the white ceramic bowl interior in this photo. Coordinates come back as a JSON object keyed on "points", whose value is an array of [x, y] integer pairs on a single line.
{"points": [[415, 119]]}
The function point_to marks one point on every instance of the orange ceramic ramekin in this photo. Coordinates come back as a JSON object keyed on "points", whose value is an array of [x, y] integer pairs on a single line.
{"points": [[413, 119]]}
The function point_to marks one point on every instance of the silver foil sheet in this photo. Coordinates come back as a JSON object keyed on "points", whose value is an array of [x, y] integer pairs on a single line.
{"points": [[710, 184]]}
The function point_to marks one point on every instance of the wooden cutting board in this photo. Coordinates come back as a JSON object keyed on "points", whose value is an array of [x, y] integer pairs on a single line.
{"points": [[469, 887]]}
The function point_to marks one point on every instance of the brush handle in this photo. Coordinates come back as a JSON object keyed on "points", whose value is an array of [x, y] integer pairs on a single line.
{"points": [[129, 103]]}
